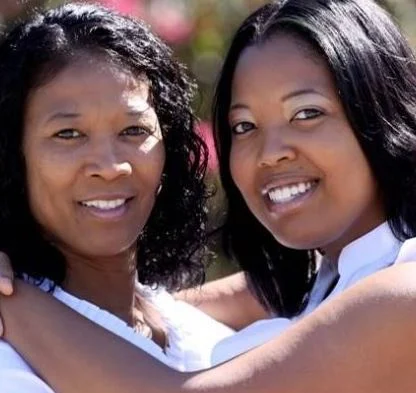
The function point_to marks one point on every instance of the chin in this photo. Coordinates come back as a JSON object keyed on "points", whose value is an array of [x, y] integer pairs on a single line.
{"points": [[296, 244], [108, 249], [298, 240]]}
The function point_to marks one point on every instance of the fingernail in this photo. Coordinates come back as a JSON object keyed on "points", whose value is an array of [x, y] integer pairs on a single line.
{"points": [[6, 287]]}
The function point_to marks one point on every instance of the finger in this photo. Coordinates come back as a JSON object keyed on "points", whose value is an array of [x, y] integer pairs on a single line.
{"points": [[6, 275]]}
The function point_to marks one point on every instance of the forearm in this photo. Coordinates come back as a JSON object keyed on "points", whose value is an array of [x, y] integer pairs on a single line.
{"points": [[72, 354], [228, 300], [362, 342]]}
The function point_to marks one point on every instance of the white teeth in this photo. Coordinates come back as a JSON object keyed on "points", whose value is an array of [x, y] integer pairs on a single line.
{"points": [[287, 193], [105, 205]]}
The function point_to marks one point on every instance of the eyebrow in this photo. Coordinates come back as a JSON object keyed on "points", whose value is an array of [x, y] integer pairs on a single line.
{"points": [[238, 106], [301, 92], [62, 115], [137, 113], [75, 115], [286, 97]]}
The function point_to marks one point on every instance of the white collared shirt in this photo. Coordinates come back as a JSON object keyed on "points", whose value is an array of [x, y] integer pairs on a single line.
{"points": [[368, 254]]}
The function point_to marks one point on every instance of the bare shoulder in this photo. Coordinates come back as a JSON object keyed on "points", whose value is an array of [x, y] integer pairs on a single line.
{"points": [[395, 285], [400, 275], [363, 340], [389, 294], [373, 325]]}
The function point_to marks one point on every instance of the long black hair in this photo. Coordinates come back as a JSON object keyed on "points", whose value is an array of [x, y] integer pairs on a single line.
{"points": [[374, 71], [171, 246]]}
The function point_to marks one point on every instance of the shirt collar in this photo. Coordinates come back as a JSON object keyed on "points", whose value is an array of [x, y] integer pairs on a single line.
{"points": [[368, 249]]}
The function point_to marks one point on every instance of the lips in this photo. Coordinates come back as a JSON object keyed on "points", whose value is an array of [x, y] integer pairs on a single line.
{"points": [[105, 204], [106, 207], [286, 193]]}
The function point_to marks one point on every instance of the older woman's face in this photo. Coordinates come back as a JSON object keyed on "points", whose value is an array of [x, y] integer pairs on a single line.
{"points": [[94, 157]]}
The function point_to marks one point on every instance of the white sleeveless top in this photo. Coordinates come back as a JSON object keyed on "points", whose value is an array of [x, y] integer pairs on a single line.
{"points": [[191, 334], [370, 253], [191, 337]]}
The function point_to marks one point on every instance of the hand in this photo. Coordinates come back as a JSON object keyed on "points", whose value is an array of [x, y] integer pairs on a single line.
{"points": [[6, 275]]}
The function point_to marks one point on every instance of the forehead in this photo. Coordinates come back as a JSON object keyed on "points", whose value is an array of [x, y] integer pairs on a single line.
{"points": [[284, 62], [91, 81]]}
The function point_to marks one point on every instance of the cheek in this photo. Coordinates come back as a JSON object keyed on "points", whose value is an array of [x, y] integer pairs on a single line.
{"points": [[151, 166], [44, 173], [240, 166], [352, 163], [47, 184], [363, 186], [350, 175]]}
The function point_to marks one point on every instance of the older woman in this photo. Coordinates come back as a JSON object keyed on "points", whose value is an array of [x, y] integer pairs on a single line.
{"points": [[101, 181]]}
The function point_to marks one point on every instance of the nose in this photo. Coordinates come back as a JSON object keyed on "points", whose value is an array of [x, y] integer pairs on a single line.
{"points": [[105, 160], [276, 147]]}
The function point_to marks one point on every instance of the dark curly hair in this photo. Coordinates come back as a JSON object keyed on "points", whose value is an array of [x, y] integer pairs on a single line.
{"points": [[172, 245], [374, 70]]}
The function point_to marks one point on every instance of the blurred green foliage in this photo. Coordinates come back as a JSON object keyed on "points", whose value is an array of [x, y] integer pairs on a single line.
{"points": [[198, 30]]}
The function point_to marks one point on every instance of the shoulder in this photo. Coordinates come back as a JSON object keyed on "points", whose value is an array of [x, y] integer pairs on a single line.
{"points": [[15, 374], [385, 295], [362, 340], [191, 334], [374, 321], [182, 316], [393, 285]]}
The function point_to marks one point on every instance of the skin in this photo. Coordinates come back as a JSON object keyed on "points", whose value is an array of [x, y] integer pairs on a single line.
{"points": [[335, 348], [84, 133], [289, 126], [95, 135], [221, 299]]}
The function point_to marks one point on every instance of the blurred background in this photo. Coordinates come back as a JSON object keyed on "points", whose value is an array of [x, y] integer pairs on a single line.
{"points": [[199, 31]]}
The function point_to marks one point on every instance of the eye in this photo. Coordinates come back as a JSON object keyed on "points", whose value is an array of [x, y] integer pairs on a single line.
{"points": [[68, 133], [308, 114], [242, 127], [135, 131]]}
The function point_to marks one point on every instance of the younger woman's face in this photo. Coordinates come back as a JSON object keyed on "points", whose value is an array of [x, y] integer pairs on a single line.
{"points": [[94, 157], [294, 156]]}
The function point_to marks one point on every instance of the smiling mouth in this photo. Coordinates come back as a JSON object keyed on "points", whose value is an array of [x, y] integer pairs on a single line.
{"points": [[290, 192], [106, 204], [107, 209]]}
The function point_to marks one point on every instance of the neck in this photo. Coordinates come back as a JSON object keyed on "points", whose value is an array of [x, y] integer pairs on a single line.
{"points": [[106, 282], [333, 251]]}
